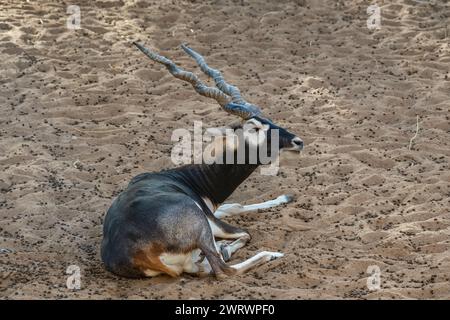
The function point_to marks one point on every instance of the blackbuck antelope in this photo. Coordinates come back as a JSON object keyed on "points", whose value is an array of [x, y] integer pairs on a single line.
{"points": [[167, 222]]}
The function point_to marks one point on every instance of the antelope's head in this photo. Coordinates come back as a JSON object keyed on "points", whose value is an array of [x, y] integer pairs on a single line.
{"points": [[258, 131]]}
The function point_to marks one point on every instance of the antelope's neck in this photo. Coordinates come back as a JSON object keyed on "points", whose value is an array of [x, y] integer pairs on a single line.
{"points": [[215, 181]]}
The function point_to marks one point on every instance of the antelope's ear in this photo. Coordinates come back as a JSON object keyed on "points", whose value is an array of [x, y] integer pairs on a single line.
{"points": [[257, 125]]}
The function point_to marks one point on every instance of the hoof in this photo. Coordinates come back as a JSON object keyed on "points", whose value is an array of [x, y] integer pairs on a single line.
{"points": [[225, 253], [275, 255], [286, 198]]}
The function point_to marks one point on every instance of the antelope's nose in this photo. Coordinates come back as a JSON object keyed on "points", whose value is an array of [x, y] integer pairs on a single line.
{"points": [[297, 143]]}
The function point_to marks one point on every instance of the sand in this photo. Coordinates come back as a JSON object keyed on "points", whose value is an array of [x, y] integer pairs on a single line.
{"points": [[83, 111]]}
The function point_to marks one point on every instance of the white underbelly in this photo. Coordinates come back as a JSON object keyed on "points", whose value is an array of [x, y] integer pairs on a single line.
{"points": [[182, 262]]}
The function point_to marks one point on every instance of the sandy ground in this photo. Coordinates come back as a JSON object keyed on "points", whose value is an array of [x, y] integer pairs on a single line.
{"points": [[82, 112]]}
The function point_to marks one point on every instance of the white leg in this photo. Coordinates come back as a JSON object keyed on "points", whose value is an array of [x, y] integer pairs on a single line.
{"points": [[223, 230], [231, 209], [227, 248], [256, 260], [199, 264]]}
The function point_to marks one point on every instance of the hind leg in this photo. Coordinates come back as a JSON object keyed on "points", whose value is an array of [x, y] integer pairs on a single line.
{"points": [[221, 269], [256, 260], [217, 264], [214, 260]]}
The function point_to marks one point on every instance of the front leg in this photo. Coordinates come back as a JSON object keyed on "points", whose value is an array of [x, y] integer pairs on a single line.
{"points": [[232, 209], [223, 230], [227, 248]]}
